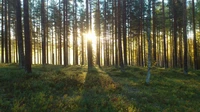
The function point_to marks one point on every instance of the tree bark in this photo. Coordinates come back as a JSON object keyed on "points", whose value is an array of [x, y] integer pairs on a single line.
{"points": [[154, 31], [43, 19], [47, 35], [19, 33], [119, 37], [60, 36], [175, 35], [75, 46], [89, 42], [116, 36], [65, 49], [164, 38], [6, 31], [124, 33], [98, 33], [149, 41], [28, 49], [2, 32], [185, 36], [9, 32], [194, 40]]}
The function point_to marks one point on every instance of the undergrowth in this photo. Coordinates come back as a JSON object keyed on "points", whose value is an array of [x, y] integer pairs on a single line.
{"points": [[73, 89]]}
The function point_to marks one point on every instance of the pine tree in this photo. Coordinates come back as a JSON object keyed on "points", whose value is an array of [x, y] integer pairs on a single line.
{"points": [[28, 48]]}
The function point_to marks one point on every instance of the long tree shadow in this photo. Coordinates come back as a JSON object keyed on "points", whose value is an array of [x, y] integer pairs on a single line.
{"points": [[169, 90], [127, 80], [95, 97]]}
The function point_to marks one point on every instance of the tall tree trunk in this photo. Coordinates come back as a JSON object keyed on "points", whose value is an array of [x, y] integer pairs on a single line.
{"points": [[9, 32], [124, 33], [60, 36], [75, 46], [164, 38], [113, 42], [28, 50], [194, 40], [2, 32], [175, 35], [76, 33], [105, 38], [43, 19], [116, 36], [149, 41], [154, 31], [47, 35], [65, 49], [119, 37], [98, 33], [6, 31], [89, 42], [141, 34], [19, 33], [185, 36]]}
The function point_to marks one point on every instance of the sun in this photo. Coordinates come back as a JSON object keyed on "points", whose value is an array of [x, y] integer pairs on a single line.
{"points": [[91, 37]]}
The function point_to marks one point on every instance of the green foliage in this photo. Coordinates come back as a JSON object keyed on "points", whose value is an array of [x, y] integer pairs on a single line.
{"points": [[73, 88]]}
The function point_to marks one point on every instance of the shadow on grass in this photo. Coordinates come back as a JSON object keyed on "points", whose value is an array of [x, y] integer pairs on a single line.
{"points": [[169, 89], [72, 88], [95, 98], [49, 89]]}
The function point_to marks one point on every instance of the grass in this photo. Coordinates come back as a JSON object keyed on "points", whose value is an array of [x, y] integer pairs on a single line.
{"points": [[74, 89]]}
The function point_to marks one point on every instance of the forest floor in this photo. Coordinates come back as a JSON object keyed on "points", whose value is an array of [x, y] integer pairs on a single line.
{"points": [[107, 89]]}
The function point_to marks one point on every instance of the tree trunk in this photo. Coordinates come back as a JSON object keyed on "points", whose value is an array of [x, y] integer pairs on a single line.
{"points": [[119, 37], [28, 50], [47, 36], [141, 33], [194, 40], [2, 32], [43, 19], [98, 33], [89, 42], [154, 31], [112, 46], [60, 36], [6, 31], [104, 34], [124, 33], [149, 41], [164, 38], [75, 57], [9, 32], [19, 33], [175, 35], [116, 36], [185, 36], [65, 49]]}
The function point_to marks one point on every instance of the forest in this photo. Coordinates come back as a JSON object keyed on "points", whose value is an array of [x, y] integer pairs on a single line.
{"points": [[99, 55]]}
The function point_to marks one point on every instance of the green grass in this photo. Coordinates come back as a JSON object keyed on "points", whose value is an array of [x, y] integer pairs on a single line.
{"points": [[74, 89]]}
